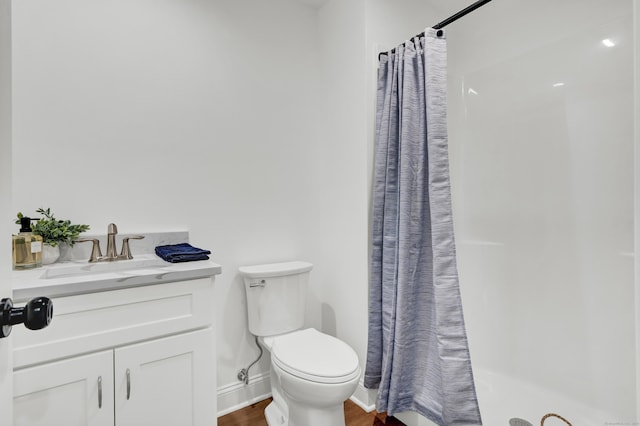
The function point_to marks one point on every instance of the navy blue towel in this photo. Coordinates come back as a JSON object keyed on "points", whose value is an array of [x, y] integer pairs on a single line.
{"points": [[181, 253]]}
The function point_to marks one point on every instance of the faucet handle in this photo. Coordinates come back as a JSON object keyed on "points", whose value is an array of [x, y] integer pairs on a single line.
{"points": [[96, 253], [125, 253]]}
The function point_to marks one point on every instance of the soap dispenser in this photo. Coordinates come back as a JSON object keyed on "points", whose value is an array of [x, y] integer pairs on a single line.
{"points": [[27, 247]]}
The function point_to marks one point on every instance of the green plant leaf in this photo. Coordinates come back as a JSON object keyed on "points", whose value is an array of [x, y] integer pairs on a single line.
{"points": [[54, 231]]}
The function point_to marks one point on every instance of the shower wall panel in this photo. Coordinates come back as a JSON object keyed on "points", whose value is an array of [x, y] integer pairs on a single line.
{"points": [[541, 140]]}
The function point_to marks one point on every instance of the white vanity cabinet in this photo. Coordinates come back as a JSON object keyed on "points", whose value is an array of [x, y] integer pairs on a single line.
{"points": [[65, 392], [132, 356], [165, 382]]}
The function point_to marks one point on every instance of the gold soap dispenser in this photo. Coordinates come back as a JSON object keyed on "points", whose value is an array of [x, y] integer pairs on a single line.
{"points": [[27, 247]]}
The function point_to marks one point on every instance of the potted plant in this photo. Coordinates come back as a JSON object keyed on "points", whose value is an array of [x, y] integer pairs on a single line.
{"points": [[54, 232]]}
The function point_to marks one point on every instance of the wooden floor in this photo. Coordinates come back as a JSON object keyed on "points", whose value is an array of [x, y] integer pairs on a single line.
{"points": [[253, 415]]}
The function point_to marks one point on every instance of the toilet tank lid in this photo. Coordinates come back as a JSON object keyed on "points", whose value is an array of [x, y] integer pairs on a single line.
{"points": [[275, 269]]}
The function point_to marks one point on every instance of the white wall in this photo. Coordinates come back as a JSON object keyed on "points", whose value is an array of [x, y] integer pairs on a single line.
{"points": [[636, 28], [543, 188], [159, 114], [243, 122], [6, 228], [338, 226]]}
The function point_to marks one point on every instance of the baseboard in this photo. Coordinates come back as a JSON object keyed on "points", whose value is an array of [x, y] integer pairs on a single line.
{"points": [[364, 398], [235, 396], [413, 419]]}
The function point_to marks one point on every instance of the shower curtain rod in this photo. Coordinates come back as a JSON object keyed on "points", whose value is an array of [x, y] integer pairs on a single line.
{"points": [[447, 21]]}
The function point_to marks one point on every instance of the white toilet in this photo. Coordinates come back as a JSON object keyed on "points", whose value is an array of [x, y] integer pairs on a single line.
{"points": [[312, 373]]}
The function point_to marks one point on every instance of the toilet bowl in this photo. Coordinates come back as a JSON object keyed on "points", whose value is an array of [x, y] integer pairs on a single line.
{"points": [[314, 373]]}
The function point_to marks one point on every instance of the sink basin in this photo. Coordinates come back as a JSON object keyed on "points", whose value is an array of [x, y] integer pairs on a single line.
{"points": [[80, 268]]}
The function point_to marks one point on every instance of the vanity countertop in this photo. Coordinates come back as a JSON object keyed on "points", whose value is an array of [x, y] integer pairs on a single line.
{"points": [[80, 277]]}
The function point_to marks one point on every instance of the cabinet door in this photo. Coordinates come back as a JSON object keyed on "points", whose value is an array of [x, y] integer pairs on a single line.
{"points": [[166, 382], [75, 391]]}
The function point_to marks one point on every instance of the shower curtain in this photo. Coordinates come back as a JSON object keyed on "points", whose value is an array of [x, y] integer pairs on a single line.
{"points": [[418, 355]]}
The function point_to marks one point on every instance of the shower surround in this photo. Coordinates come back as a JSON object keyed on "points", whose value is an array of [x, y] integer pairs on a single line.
{"points": [[541, 125], [541, 135]]}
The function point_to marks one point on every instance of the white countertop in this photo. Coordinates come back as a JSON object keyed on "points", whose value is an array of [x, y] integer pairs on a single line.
{"points": [[79, 277]]}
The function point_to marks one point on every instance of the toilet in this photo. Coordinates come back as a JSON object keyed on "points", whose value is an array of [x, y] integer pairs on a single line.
{"points": [[312, 373]]}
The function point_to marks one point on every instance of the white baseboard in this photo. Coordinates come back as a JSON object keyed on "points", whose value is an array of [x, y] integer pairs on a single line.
{"points": [[413, 419], [235, 396], [364, 398]]}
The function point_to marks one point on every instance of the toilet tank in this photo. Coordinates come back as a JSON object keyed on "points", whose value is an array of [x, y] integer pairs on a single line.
{"points": [[276, 296]]}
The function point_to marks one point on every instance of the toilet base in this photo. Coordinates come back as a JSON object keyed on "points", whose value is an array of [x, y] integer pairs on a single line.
{"points": [[300, 415], [304, 415], [274, 415]]}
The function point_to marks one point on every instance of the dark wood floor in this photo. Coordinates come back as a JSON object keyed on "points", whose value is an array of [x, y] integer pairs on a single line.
{"points": [[253, 415]]}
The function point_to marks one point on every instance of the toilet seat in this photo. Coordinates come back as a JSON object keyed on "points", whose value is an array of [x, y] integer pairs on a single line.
{"points": [[315, 356]]}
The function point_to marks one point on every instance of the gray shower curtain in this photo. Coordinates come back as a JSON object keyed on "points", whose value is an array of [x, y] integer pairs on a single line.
{"points": [[418, 355]]}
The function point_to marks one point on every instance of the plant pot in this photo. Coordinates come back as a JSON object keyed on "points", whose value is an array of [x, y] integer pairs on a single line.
{"points": [[50, 254], [66, 253]]}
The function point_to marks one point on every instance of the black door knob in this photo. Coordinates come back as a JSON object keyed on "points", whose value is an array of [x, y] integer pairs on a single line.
{"points": [[36, 314]]}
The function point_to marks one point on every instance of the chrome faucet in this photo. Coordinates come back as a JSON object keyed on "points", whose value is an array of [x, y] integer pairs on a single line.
{"points": [[112, 253]]}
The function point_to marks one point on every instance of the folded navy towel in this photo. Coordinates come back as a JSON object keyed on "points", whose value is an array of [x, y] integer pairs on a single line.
{"points": [[184, 252], [186, 258]]}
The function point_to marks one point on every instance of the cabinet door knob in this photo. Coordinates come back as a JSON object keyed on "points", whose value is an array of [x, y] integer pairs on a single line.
{"points": [[35, 315], [128, 384], [100, 392]]}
